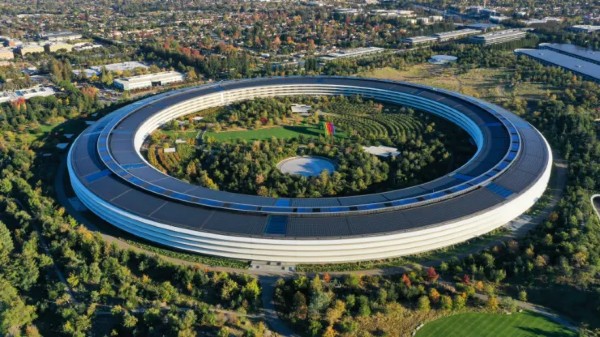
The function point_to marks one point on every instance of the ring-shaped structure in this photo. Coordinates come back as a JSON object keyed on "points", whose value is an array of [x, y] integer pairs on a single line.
{"points": [[507, 174]]}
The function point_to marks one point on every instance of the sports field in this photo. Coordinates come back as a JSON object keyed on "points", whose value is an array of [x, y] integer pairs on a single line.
{"points": [[267, 133], [524, 324]]}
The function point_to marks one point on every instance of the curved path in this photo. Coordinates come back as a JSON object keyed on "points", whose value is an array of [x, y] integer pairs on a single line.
{"points": [[595, 200]]}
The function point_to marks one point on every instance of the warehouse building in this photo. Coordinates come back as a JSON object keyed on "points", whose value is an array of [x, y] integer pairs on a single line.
{"points": [[456, 34], [352, 53], [420, 40], [150, 80], [499, 37], [30, 48], [41, 91], [587, 70], [584, 28], [61, 36], [572, 50]]}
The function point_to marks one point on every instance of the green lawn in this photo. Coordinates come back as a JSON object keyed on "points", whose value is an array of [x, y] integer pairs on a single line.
{"points": [[268, 133], [181, 134], [524, 324]]}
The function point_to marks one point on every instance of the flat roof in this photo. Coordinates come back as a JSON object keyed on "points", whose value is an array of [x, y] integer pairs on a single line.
{"points": [[501, 33], [121, 66], [458, 32], [150, 77], [574, 50], [421, 38], [564, 61]]}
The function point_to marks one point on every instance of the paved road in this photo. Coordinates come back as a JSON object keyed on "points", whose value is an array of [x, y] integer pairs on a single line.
{"points": [[267, 284], [595, 200]]}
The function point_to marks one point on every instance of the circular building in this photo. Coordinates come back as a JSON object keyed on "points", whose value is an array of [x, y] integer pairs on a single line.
{"points": [[442, 59], [508, 173], [307, 166]]}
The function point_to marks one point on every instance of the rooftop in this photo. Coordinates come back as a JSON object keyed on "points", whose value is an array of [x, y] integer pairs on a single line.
{"points": [[150, 77], [382, 151], [568, 62], [574, 50]]}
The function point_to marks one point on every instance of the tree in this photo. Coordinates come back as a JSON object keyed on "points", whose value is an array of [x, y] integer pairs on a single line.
{"points": [[406, 280], [299, 307], [316, 286], [334, 314], [314, 327], [14, 313], [329, 332], [191, 75], [352, 281], [459, 301], [167, 292], [446, 302], [6, 244], [432, 275], [364, 309], [523, 296], [129, 321], [434, 295], [508, 304], [492, 303], [228, 288], [423, 304], [251, 290]]}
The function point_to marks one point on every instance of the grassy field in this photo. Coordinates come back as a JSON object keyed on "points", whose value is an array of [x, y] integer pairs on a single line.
{"points": [[485, 83], [524, 324], [277, 132], [181, 134]]}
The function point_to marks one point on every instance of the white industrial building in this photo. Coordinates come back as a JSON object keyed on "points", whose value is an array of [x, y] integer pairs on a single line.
{"points": [[572, 50], [456, 34], [150, 80], [113, 67], [393, 13], [499, 37], [352, 53], [8, 96], [61, 36], [586, 69], [584, 28], [81, 46], [419, 40]]}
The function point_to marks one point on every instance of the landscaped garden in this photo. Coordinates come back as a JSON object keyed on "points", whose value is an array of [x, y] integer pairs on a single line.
{"points": [[237, 148]]}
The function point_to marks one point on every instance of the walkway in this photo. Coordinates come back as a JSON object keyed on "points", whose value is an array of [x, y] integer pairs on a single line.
{"points": [[595, 200]]}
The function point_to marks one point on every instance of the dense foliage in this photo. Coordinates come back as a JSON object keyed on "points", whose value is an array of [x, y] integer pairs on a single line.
{"points": [[357, 305], [59, 278], [428, 148]]}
